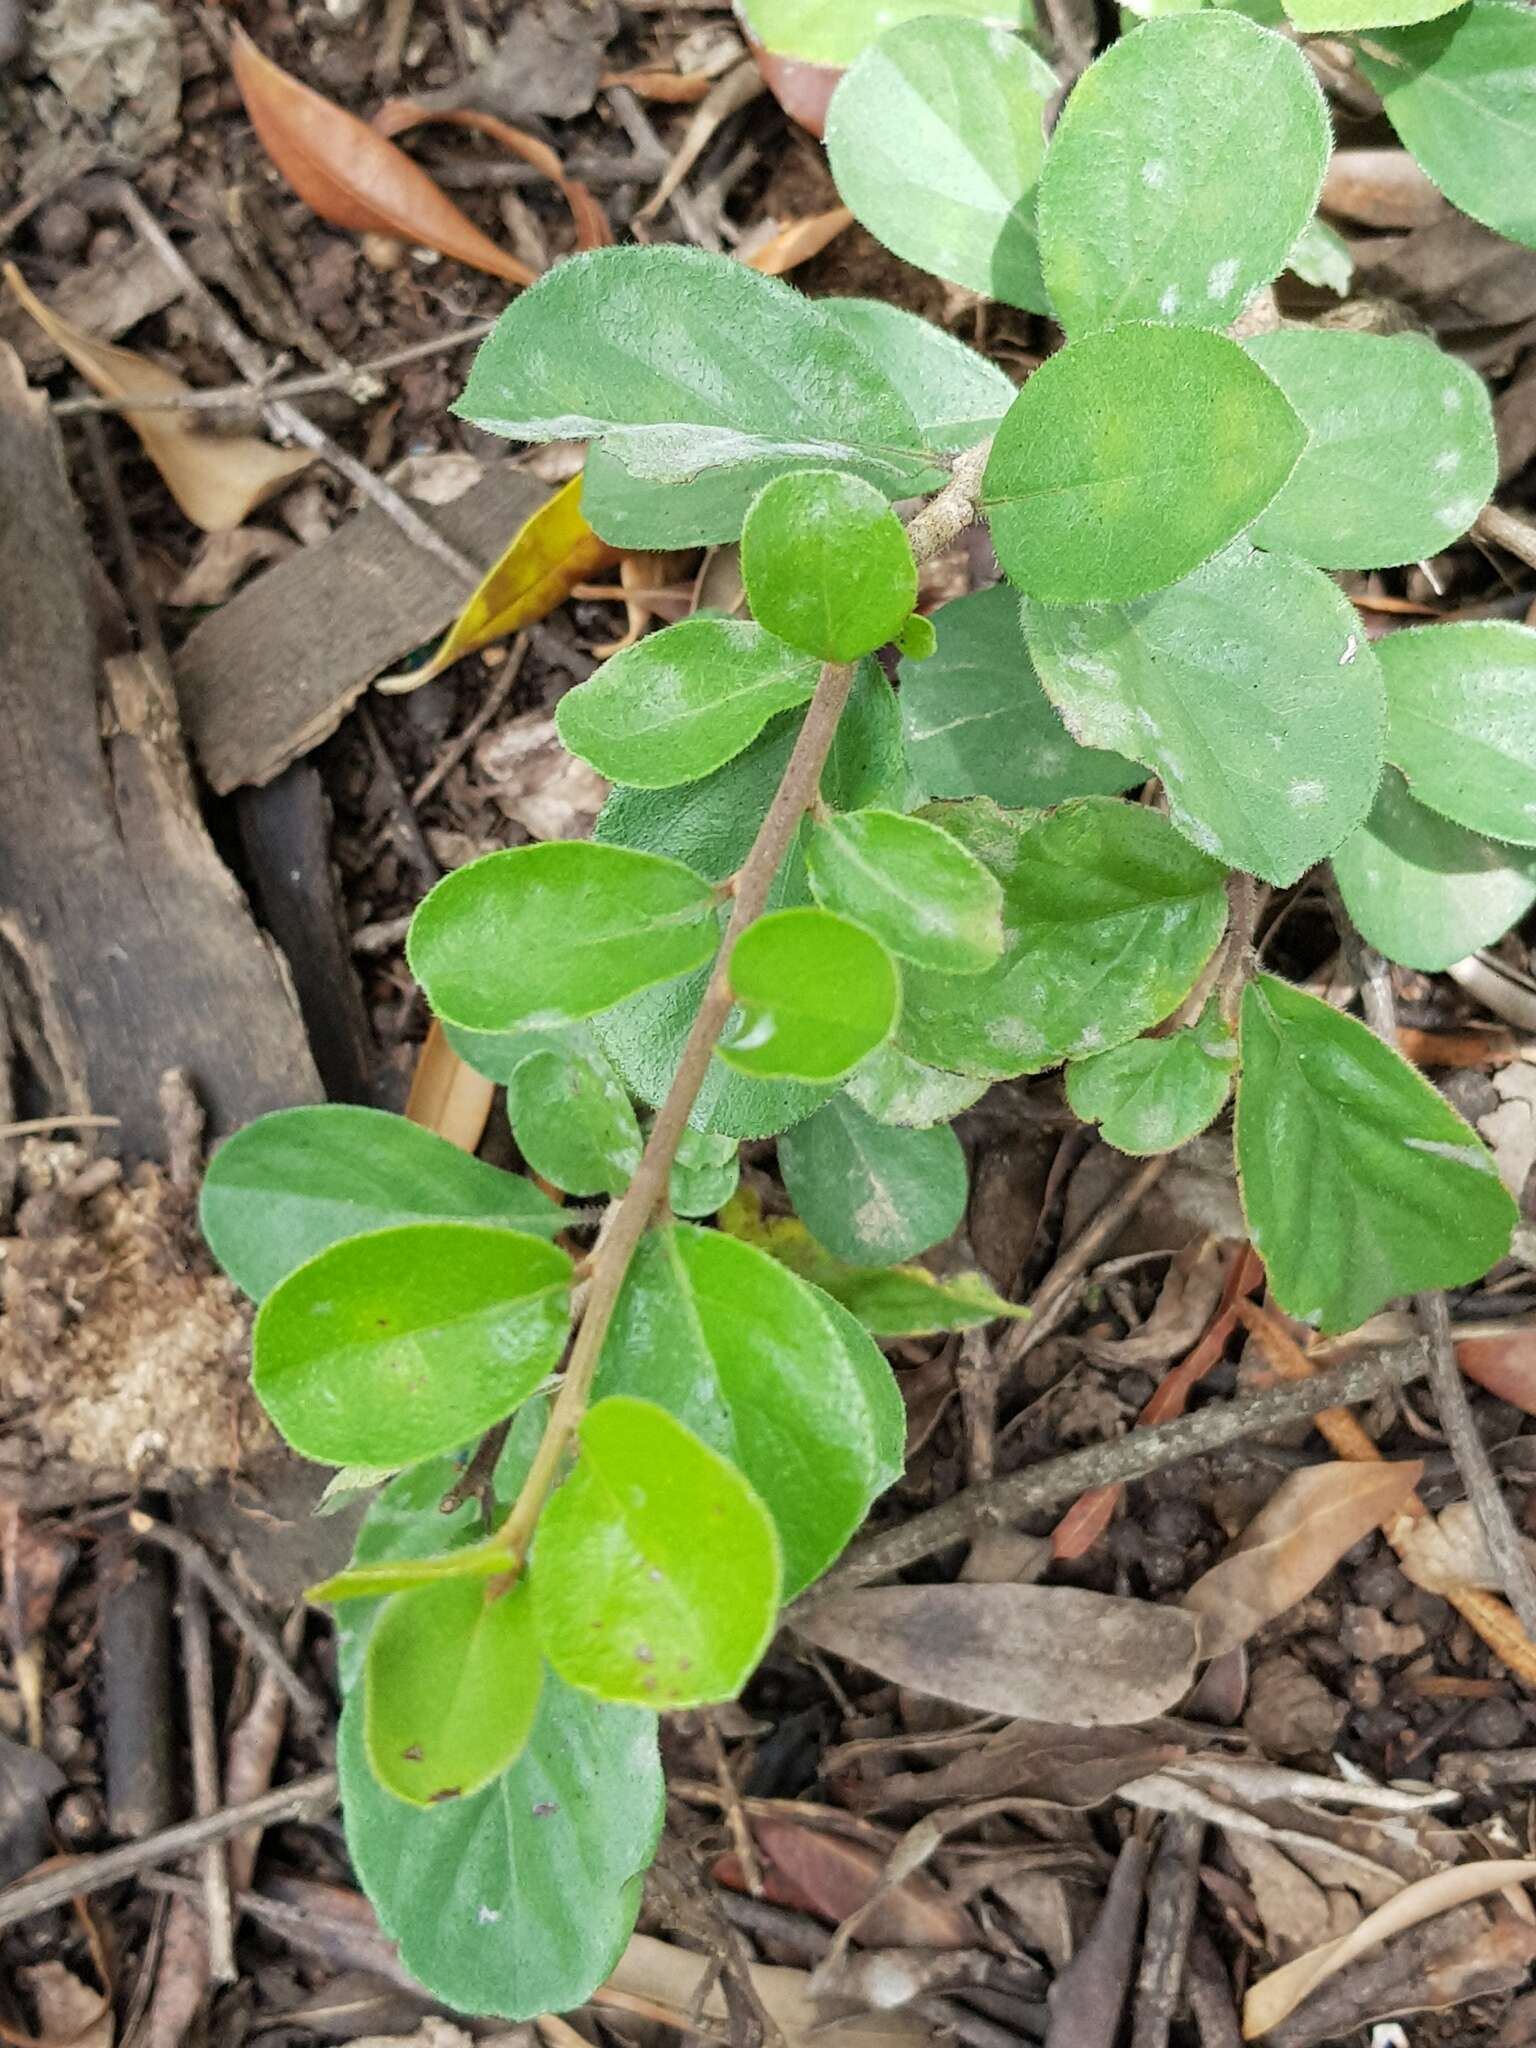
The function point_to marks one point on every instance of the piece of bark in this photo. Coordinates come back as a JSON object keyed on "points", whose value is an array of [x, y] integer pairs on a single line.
{"points": [[125, 945], [134, 1623], [275, 670]]}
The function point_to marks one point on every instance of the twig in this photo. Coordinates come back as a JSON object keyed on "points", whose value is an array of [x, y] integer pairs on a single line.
{"points": [[38, 1126], [460, 745], [307, 1799], [281, 417], [1173, 1887], [261, 1639], [1128, 1457], [146, 613], [1507, 530], [945, 517], [401, 823], [1051, 1299], [197, 1671], [735, 1818]]}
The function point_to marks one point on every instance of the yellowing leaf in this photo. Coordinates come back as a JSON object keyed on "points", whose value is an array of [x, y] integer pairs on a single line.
{"points": [[551, 552], [216, 479]]}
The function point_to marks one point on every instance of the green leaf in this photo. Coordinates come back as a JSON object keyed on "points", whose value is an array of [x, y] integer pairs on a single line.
{"points": [[1129, 457], [814, 994], [476, 1562], [656, 1567], [1249, 687], [1461, 722], [1315, 17], [920, 892], [299, 1180], [704, 1173], [978, 723], [546, 934], [747, 1357], [827, 565], [519, 1899], [1321, 257], [1359, 1181], [936, 137], [893, 1088], [1185, 164], [823, 34], [1425, 891], [1458, 92], [958, 396], [1401, 458], [681, 702], [451, 1688], [1157, 1093], [390, 1347], [659, 352], [917, 640], [573, 1120], [1109, 916], [873, 1194]]}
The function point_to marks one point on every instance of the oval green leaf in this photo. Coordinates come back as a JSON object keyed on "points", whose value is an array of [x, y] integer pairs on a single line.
{"points": [[936, 137], [1157, 1093], [920, 892], [450, 1688], [1359, 1180], [1461, 722], [827, 565], [1249, 687], [1185, 164], [823, 34], [299, 1180], [1129, 457], [547, 934], [872, 1193], [958, 396], [1401, 457], [574, 1122], [1323, 17], [391, 1347], [656, 1567], [813, 995], [682, 702]]}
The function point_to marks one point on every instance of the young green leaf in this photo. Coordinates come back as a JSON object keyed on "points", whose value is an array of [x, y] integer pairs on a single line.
{"points": [[978, 723], [1249, 688], [894, 1088], [573, 1120], [835, 35], [1458, 92], [1461, 722], [1401, 457], [1157, 1093], [742, 1353], [450, 1689], [827, 564], [1131, 456], [299, 1180], [919, 891], [681, 702], [936, 137], [814, 994], [659, 353], [1185, 164], [1110, 916], [917, 640], [871, 1193], [517, 1900], [1322, 17], [958, 396], [546, 934], [656, 1567], [1359, 1181], [1321, 256], [387, 1348], [1425, 891], [704, 1173]]}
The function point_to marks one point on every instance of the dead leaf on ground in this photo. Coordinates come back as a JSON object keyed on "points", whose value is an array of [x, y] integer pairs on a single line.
{"points": [[1088, 1999], [1504, 1364], [1190, 1292], [69, 2013], [1445, 1551], [1046, 1653], [548, 61], [833, 1877], [673, 88], [798, 241], [28, 1781], [1511, 1128], [1273, 1997], [1380, 188], [536, 783], [650, 587], [654, 1980], [1292, 1544], [802, 89], [398, 117], [728, 95], [447, 1095], [1057, 1765], [353, 176], [216, 479], [223, 562]]}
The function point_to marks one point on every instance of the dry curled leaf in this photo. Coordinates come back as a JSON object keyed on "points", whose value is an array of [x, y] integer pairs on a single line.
{"points": [[1292, 1544], [1043, 1653], [1185, 1304], [350, 174], [216, 479], [1446, 1553], [397, 117]]}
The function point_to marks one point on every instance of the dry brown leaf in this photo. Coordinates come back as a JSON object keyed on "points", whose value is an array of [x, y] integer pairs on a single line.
{"points": [[802, 89], [1444, 1552], [1273, 1997], [69, 2014], [397, 117], [1184, 1306], [1044, 1653], [1292, 1544], [1380, 188], [216, 479], [798, 241], [353, 176], [447, 1095], [833, 1877], [657, 1981], [223, 560], [728, 95], [673, 88]]}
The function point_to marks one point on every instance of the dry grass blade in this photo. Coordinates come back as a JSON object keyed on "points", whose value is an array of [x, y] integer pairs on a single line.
{"points": [[398, 117]]}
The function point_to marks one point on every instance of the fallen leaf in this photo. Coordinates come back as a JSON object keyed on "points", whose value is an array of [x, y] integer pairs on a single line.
{"points": [[802, 89], [1380, 188], [398, 117], [350, 174], [1184, 1306], [673, 88], [1273, 1997], [1446, 1552], [648, 589], [1088, 1999], [69, 2013], [1292, 1544], [1504, 1364], [1491, 1046], [551, 552], [216, 479], [536, 783], [728, 95], [447, 1096], [657, 1981], [1511, 1128], [798, 241], [222, 561], [1060, 1766], [833, 1877], [1044, 1653]]}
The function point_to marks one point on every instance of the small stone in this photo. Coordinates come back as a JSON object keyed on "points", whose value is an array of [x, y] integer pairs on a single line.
{"points": [[62, 229], [1371, 1639], [1291, 1713], [1493, 1724], [1177, 1521], [1378, 1583], [1364, 1687], [383, 252]]}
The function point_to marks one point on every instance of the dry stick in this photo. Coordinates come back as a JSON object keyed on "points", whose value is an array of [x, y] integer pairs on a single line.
{"points": [[1052, 1298], [1173, 1887], [282, 418], [197, 1671], [38, 1126], [308, 1799], [1507, 530], [460, 745]]}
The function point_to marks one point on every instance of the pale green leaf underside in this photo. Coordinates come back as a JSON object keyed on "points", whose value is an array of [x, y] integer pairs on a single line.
{"points": [[573, 1120], [956, 395], [873, 1193], [1321, 256], [1156, 1093], [894, 1088], [1461, 722]]}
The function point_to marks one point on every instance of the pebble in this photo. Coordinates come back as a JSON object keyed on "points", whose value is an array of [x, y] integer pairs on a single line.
{"points": [[1493, 1724], [62, 229]]}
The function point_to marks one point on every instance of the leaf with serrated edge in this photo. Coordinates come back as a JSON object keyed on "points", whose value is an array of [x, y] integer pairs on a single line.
{"points": [[871, 1193], [1461, 722]]}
